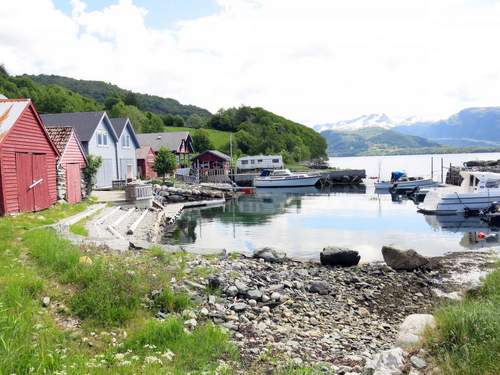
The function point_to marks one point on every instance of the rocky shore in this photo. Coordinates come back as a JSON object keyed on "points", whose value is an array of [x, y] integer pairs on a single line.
{"points": [[188, 193], [339, 317]]}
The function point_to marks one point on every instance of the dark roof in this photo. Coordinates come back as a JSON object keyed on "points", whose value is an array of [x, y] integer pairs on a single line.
{"points": [[84, 123], [118, 124], [219, 154], [170, 141], [60, 136]]}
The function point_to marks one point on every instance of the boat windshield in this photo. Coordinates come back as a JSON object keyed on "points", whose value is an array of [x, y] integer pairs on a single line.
{"points": [[281, 172]]}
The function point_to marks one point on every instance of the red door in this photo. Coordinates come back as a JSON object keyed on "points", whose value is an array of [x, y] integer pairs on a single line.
{"points": [[73, 183], [24, 180], [40, 182]]}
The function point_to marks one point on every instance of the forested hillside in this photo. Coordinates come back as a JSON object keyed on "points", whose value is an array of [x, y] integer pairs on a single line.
{"points": [[102, 91], [258, 131]]}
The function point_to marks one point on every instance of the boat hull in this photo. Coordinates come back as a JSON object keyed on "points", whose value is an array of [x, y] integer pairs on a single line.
{"points": [[286, 182], [451, 204], [405, 185]]}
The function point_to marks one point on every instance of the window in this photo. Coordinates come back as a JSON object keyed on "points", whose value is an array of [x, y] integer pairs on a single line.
{"points": [[276, 160], [244, 162], [102, 139], [252, 161], [259, 160], [126, 141]]}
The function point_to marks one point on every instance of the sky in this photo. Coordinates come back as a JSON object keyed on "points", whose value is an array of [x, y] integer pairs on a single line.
{"points": [[313, 61]]}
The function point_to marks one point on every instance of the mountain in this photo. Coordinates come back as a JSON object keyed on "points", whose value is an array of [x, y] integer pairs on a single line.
{"points": [[100, 91], [379, 120], [469, 127], [372, 141]]}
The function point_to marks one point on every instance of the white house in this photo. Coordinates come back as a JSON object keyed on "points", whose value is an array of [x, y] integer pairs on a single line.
{"points": [[247, 163]]}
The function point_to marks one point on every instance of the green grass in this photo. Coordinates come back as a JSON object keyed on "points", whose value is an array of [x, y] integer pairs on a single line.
{"points": [[109, 292], [467, 338], [79, 228], [171, 302], [219, 138]]}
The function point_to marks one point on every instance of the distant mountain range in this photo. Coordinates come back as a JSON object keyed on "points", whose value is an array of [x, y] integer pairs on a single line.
{"points": [[377, 134]]}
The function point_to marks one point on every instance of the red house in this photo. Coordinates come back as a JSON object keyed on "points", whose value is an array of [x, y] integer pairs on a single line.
{"points": [[70, 163], [145, 160], [27, 159], [212, 166]]}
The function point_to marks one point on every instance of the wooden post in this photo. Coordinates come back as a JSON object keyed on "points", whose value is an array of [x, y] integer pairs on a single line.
{"points": [[442, 169], [432, 167]]}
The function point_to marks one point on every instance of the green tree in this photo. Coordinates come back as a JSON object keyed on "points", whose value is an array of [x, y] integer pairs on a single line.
{"points": [[195, 121], [131, 99], [165, 162], [111, 101], [90, 172], [201, 141], [178, 120]]}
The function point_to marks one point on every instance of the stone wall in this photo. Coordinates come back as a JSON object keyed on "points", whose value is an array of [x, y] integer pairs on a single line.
{"points": [[61, 183]]}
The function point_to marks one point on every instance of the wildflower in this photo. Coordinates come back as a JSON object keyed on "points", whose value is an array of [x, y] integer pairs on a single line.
{"points": [[124, 363], [151, 360], [168, 355], [135, 358], [119, 356]]}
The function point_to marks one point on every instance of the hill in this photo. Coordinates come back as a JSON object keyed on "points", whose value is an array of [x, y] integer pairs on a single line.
{"points": [[101, 91], [469, 127], [257, 131], [218, 138], [372, 141]]}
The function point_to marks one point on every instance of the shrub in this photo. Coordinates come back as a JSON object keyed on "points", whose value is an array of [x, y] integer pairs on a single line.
{"points": [[169, 301]]}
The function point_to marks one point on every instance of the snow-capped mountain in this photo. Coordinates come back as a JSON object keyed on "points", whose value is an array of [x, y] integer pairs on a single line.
{"points": [[379, 120], [374, 120]]}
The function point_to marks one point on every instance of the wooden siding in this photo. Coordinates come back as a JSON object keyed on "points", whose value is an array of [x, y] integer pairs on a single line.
{"points": [[72, 153], [27, 135], [146, 166]]}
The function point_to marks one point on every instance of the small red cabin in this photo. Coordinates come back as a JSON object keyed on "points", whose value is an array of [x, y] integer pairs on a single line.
{"points": [[70, 163], [145, 161], [212, 166], [27, 159]]}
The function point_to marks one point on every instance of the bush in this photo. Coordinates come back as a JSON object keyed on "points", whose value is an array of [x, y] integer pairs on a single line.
{"points": [[169, 301]]}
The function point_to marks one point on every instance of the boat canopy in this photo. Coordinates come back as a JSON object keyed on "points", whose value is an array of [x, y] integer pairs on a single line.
{"points": [[480, 180], [396, 175]]}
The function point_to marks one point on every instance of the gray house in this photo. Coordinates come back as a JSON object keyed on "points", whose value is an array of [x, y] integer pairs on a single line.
{"points": [[97, 136], [180, 143], [126, 148]]}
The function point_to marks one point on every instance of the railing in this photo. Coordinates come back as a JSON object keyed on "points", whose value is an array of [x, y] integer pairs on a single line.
{"points": [[119, 184], [214, 175], [138, 192]]}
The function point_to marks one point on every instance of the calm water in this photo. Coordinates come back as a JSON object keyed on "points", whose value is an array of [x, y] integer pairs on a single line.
{"points": [[413, 165], [303, 221]]}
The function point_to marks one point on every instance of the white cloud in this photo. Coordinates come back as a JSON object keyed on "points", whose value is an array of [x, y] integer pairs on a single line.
{"points": [[313, 61]]}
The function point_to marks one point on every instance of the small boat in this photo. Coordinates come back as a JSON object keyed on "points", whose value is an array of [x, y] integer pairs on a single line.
{"points": [[400, 181], [478, 191], [285, 178]]}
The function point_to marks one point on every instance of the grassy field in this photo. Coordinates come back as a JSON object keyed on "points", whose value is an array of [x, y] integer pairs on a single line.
{"points": [[117, 332], [467, 338], [218, 137]]}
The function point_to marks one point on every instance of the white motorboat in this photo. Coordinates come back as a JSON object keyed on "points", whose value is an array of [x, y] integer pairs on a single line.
{"points": [[285, 178], [477, 192], [405, 183]]}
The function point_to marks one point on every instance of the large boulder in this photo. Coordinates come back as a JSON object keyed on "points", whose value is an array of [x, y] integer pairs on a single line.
{"points": [[404, 260], [388, 362], [413, 328], [338, 256], [270, 255]]}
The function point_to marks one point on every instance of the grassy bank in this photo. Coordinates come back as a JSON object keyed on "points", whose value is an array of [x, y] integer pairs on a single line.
{"points": [[98, 319], [467, 338], [219, 138]]}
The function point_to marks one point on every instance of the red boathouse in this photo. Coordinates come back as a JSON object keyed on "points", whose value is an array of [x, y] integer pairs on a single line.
{"points": [[70, 163], [27, 159], [145, 161]]}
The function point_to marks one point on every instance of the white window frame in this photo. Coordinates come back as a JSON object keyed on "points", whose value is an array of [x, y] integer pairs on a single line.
{"points": [[102, 139]]}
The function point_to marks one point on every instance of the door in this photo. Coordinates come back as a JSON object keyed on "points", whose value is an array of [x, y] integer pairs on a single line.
{"points": [[126, 168], [73, 183], [24, 173], [40, 182], [105, 174]]}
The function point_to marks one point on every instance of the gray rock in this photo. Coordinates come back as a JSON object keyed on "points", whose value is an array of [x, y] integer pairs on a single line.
{"points": [[214, 282], [388, 362], [338, 256], [418, 362], [320, 287], [270, 255], [45, 301], [406, 260], [232, 291], [240, 306], [255, 294], [412, 329], [275, 296], [242, 287], [265, 298]]}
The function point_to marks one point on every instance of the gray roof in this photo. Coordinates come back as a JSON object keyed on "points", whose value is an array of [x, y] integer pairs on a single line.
{"points": [[216, 153], [84, 123], [119, 124], [171, 141]]}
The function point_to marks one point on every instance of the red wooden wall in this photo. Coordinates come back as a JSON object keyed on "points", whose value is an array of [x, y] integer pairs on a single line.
{"points": [[26, 136], [146, 166], [73, 153]]}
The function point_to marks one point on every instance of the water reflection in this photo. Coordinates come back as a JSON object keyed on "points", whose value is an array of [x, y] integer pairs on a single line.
{"points": [[302, 221]]}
